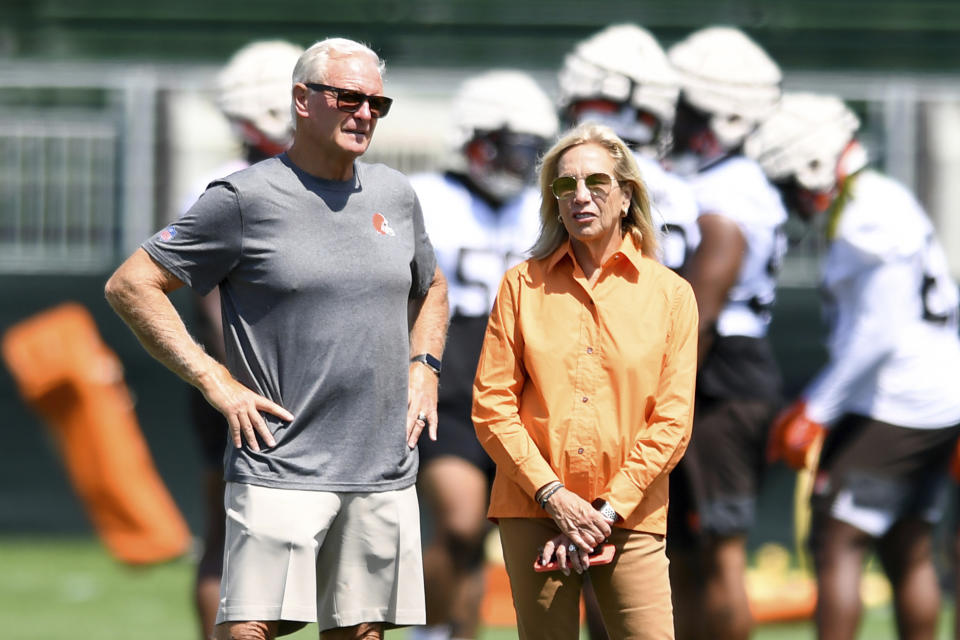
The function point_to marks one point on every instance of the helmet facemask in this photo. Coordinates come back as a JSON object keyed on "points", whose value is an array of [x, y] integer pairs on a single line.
{"points": [[808, 148], [639, 128], [502, 162]]}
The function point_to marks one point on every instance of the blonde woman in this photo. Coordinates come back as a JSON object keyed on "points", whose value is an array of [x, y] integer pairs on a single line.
{"points": [[584, 397]]}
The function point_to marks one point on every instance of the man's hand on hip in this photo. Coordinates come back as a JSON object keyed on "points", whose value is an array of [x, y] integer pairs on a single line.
{"points": [[241, 407]]}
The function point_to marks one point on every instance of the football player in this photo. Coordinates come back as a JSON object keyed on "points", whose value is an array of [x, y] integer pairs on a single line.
{"points": [[620, 77], [483, 216], [728, 84], [885, 406]]}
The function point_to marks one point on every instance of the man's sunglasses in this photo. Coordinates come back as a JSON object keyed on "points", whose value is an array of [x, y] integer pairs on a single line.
{"points": [[598, 184], [350, 101]]}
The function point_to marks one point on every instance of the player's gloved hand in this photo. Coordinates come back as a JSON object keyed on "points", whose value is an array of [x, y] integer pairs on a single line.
{"points": [[795, 438], [955, 463]]}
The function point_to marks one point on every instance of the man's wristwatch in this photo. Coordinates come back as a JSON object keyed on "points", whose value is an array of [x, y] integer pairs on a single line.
{"points": [[606, 511], [430, 361]]}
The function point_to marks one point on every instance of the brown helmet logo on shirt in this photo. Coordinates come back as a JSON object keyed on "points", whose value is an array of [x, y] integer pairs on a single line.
{"points": [[382, 226]]}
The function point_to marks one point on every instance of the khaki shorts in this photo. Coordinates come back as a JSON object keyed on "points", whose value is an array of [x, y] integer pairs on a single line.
{"points": [[337, 559]]}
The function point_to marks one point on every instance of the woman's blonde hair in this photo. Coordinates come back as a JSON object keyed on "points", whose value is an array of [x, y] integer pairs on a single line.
{"points": [[638, 221]]}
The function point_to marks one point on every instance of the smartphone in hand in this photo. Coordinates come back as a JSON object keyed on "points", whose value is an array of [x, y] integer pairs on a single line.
{"points": [[603, 554]]}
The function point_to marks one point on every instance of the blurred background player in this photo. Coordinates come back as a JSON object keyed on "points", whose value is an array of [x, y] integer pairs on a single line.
{"points": [[728, 85], [887, 395], [253, 92], [621, 77], [483, 217]]}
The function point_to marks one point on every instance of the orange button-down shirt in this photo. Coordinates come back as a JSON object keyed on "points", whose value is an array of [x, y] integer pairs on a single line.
{"points": [[591, 386]]}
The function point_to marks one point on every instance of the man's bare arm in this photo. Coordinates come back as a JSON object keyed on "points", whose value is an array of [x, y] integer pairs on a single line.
{"points": [[713, 271], [428, 334], [138, 292]]}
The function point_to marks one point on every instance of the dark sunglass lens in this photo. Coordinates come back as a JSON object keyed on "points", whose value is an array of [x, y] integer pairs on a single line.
{"points": [[349, 101], [595, 180], [380, 105], [564, 186]]}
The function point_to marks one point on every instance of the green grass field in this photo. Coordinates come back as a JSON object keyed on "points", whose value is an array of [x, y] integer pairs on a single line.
{"points": [[54, 588]]}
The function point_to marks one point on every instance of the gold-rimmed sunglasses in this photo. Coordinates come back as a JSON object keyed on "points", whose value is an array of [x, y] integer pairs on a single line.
{"points": [[598, 184]]}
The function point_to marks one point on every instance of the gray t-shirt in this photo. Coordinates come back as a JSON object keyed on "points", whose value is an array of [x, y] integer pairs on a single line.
{"points": [[314, 278]]}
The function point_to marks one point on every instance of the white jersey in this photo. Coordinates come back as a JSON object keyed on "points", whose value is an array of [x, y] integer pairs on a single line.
{"points": [[736, 188], [474, 243], [891, 307], [674, 209]]}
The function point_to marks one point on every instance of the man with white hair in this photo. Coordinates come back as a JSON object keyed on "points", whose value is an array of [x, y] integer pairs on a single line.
{"points": [[728, 84], [332, 330]]}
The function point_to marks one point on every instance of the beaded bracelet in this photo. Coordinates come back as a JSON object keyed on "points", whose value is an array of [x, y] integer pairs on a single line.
{"points": [[548, 493], [542, 490]]}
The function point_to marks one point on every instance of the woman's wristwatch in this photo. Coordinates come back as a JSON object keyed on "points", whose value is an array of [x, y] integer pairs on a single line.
{"points": [[606, 510]]}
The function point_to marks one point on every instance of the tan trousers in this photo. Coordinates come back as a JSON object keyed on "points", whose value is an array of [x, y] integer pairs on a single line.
{"points": [[633, 590]]}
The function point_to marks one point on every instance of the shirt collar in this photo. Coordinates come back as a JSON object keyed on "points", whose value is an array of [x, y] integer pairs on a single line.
{"points": [[628, 249]]}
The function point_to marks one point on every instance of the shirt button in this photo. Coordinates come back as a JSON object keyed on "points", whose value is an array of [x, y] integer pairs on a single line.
{"points": [[589, 349], [616, 257], [580, 450], [584, 399]]}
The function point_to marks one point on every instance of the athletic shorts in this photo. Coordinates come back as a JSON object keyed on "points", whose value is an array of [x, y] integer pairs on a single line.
{"points": [[337, 559], [872, 474], [713, 490], [456, 437]]}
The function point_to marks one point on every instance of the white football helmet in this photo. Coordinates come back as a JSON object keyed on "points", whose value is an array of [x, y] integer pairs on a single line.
{"points": [[625, 65], [255, 87], [728, 77], [804, 139], [501, 121]]}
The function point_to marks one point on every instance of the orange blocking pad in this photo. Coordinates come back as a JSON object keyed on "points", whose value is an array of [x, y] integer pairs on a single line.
{"points": [[75, 383], [496, 610]]}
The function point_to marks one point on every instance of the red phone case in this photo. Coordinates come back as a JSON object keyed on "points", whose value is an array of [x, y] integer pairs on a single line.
{"points": [[601, 555]]}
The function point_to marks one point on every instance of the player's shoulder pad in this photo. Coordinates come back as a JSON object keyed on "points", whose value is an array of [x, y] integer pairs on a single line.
{"points": [[882, 221], [737, 188]]}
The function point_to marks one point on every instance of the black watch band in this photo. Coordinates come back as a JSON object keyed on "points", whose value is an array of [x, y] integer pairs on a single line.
{"points": [[429, 360]]}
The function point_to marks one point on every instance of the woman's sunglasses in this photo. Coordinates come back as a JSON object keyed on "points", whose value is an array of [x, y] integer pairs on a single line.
{"points": [[598, 184], [350, 101]]}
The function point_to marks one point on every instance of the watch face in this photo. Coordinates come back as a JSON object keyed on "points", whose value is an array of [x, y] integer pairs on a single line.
{"points": [[433, 362], [429, 360]]}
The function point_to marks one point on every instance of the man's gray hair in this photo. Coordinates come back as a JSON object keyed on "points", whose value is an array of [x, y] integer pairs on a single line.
{"points": [[312, 65]]}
